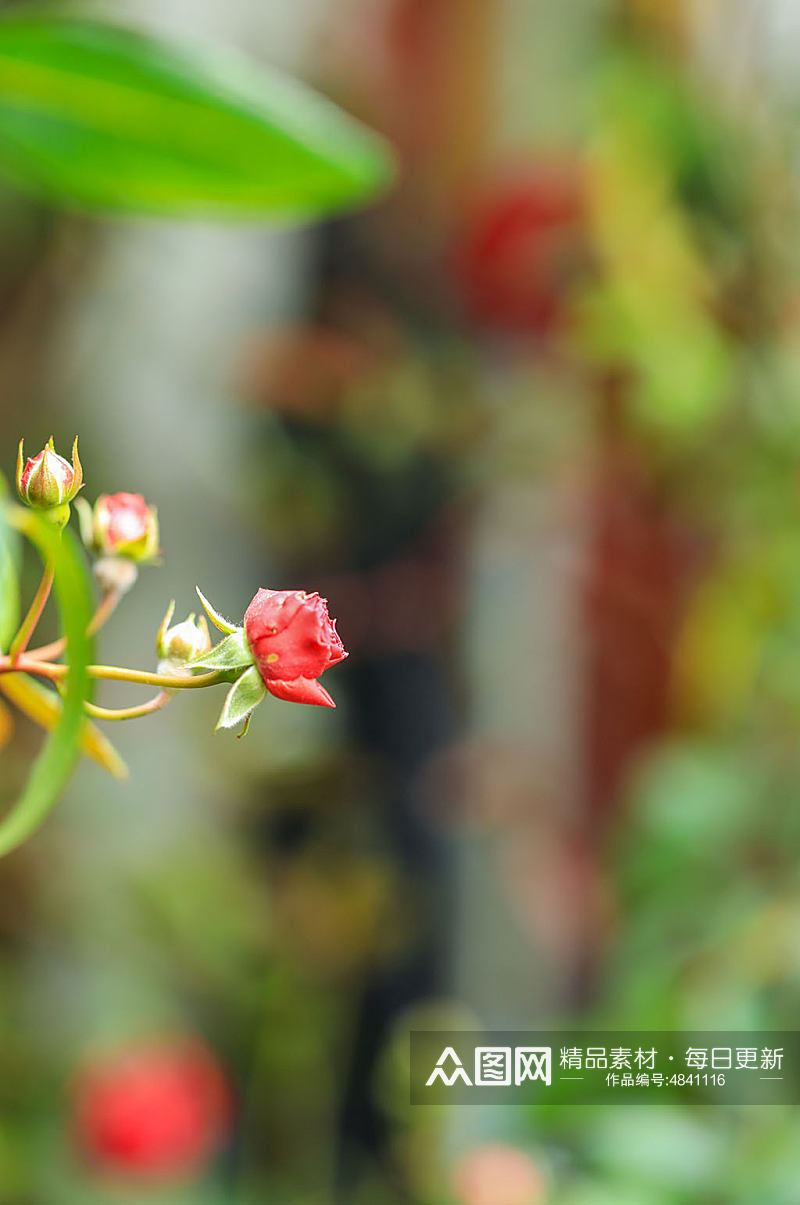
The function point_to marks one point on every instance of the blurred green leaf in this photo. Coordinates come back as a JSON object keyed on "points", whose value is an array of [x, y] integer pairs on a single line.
{"points": [[44, 707], [56, 760], [103, 117], [643, 1143], [9, 581], [654, 312], [664, 111], [696, 796], [602, 1191]]}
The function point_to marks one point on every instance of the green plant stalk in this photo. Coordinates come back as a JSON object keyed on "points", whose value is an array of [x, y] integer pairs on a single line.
{"points": [[128, 713], [28, 625], [115, 673], [62, 748]]}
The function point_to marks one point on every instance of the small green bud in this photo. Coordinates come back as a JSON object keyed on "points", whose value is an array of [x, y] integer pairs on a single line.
{"points": [[183, 641], [49, 482]]}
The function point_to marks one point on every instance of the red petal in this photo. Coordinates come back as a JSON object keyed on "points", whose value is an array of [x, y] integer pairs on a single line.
{"points": [[301, 690], [291, 635]]}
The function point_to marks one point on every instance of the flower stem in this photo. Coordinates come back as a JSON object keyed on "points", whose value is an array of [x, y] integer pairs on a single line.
{"points": [[27, 665], [105, 609], [128, 713], [45, 669], [168, 681], [28, 625]]}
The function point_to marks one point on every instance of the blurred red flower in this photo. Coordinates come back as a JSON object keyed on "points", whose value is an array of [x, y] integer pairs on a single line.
{"points": [[293, 639], [521, 247], [159, 1111], [124, 525]]}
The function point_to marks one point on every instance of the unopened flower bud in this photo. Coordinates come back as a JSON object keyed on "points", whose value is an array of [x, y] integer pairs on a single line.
{"points": [[183, 641], [124, 525], [287, 641], [293, 640], [47, 481]]}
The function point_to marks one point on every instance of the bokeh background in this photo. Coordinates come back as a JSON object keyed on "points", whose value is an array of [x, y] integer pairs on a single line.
{"points": [[532, 425]]}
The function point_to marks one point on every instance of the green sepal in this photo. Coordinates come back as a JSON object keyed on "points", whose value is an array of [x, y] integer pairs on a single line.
{"points": [[242, 699], [231, 653], [85, 521], [162, 631], [218, 620]]}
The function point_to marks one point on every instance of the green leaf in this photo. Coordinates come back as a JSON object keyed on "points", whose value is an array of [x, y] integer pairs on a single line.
{"points": [[231, 653], [9, 585], [242, 699], [103, 117], [44, 707], [60, 752], [218, 620]]}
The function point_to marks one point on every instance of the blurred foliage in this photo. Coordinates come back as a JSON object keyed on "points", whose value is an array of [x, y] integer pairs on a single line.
{"points": [[657, 355], [57, 759], [100, 117]]}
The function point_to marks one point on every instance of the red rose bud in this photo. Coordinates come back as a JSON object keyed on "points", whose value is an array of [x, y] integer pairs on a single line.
{"points": [[47, 481], [157, 1112], [124, 525], [293, 640]]}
